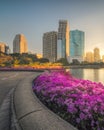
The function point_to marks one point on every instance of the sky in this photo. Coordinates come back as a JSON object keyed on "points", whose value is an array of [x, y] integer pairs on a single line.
{"points": [[35, 17]]}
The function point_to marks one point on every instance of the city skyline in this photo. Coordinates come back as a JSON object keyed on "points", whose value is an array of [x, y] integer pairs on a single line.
{"points": [[33, 18]]}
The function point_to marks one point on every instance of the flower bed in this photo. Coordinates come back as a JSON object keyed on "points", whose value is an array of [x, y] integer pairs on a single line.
{"points": [[80, 102]]}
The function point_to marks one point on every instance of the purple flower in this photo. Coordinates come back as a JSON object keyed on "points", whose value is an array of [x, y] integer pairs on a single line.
{"points": [[83, 100], [82, 116]]}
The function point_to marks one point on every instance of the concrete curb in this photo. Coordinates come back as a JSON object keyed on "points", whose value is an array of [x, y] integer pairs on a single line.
{"points": [[5, 112], [31, 113]]}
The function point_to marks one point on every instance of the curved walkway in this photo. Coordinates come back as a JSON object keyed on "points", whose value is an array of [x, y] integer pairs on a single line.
{"points": [[31, 113], [22, 110]]}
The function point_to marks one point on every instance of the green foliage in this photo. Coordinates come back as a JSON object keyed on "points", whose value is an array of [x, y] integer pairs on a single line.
{"points": [[63, 61], [24, 58], [25, 61], [43, 60], [8, 63], [15, 54]]}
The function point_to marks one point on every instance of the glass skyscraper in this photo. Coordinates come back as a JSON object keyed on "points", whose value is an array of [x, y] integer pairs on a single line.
{"points": [[77, 43]]}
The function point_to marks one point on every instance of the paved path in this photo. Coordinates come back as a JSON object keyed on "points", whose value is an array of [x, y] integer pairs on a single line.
{"points": [[8, 82], [21, 103]]}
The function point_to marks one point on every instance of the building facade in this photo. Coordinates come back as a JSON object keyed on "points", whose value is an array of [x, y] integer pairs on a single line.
{"points": [[89, 57], [20, 44], [77, 43], [4, 48], [50, 46], [63, 39], [96, 54]]}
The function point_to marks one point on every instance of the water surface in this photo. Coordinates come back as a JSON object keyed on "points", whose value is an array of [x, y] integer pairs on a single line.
{"points": [[96, 75]]}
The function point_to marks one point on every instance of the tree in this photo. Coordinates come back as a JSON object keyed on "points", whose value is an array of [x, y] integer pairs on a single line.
{"points": [[25, 61], [8, 63], [43, 60], [63, 61]]}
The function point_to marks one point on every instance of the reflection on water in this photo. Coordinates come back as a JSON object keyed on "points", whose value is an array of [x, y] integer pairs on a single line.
{"points": [[78, 73], [96, 75]]}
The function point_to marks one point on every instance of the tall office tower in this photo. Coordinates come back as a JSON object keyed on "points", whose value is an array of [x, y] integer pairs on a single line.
{"points": [[63, 39], [96, 55], [89, 57], [19, 44], [50, 46], [77, 43], [2, 47]]}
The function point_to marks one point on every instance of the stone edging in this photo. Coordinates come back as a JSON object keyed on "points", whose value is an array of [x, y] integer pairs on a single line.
{"points": [[31, 113]]}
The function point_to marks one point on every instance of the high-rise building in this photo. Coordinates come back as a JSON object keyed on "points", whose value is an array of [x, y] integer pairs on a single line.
{"points": [[50, 46], [96, 54], [2, 47], [77, 43], [63, 39], [20, 44], [89, 57]]}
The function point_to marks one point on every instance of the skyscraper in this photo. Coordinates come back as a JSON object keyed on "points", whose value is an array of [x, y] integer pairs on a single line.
{"points": [[77, 43], [50, 46], [96, 54], [63, 39], [19, 44]]}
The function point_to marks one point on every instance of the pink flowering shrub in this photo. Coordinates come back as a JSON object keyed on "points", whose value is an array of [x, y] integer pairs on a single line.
{"points": [[80, 102]]}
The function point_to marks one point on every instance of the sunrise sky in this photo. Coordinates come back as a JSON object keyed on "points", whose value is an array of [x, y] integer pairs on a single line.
{"points": [[35, 17]]}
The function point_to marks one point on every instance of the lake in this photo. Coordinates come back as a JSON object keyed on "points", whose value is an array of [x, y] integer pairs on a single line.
{"points": [[96, 75]]}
